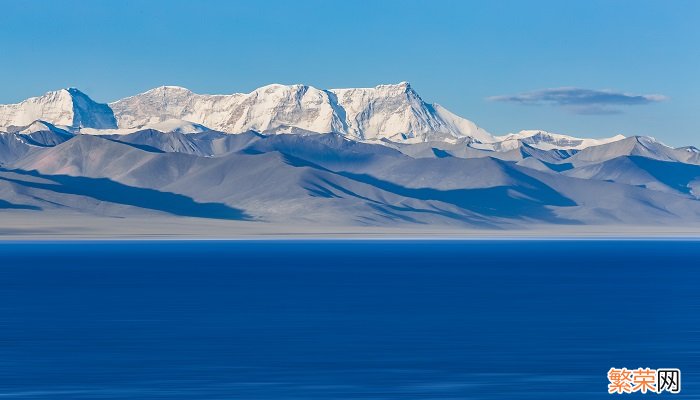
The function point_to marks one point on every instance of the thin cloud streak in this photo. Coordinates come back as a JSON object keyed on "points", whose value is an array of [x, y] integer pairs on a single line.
{"points": [[581, 101]]}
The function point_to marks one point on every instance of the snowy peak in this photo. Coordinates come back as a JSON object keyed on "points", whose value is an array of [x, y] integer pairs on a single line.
{"points": [[171, 88], [55, 106], [544, 140], [384, 114], [66, 107], [397, 112], [90, 114], [269, 109], [37, 126], [394, 112]]}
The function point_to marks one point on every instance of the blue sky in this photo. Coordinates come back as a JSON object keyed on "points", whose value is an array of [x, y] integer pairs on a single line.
{"points": [[589, 68]]}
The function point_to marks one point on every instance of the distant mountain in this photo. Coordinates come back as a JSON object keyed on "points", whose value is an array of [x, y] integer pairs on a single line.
{"points": [[327, 179], [634, 146], [548, 141], [300, 156], [66, 107], [386, 114], [650, 173]]}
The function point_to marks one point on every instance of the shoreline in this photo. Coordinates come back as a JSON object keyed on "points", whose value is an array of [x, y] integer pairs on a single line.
{"points": [[28, 226]]}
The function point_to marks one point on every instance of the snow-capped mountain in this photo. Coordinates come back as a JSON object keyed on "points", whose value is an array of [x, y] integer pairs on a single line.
{"points": [[66, 107], [385, 114], [547, 141], [301, 155], [394, 112]]}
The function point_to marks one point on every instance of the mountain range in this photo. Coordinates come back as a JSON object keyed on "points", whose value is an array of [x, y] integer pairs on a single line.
{"points": [[295, 154]]}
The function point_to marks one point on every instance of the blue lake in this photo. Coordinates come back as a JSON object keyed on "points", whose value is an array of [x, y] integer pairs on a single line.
{"points": [[344, 319]]}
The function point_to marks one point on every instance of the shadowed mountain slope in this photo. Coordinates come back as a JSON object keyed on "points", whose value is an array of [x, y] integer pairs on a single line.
{"points": [[327, 179]]}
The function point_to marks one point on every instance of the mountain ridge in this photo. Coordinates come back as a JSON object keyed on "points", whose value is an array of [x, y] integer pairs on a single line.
{"points": [[65, 107], [394, 113], [328, 179], [300, 156]]}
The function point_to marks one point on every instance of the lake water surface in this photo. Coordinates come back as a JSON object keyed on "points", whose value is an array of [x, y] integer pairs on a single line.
{"points": [[344, 319]]}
